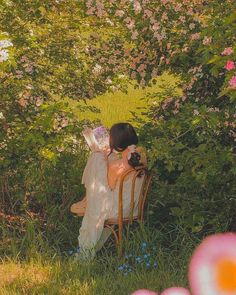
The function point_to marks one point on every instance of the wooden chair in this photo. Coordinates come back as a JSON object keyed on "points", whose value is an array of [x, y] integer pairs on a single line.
{"points": [[116, 225]]}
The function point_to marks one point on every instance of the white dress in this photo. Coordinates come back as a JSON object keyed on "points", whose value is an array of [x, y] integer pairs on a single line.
{"points": [[102, 202]]}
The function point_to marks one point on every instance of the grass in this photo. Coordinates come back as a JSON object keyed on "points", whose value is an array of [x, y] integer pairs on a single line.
{"points": [[46, 274], [118, 107]]}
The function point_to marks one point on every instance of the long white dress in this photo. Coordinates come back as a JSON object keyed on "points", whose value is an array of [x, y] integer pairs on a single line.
{"points": [[102, 202]]}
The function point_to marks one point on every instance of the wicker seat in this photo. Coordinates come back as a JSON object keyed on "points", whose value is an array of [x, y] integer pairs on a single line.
{"points": [[116, 224]]}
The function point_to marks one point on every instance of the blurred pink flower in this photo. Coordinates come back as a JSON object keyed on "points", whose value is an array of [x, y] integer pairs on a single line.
{"points": [[232, 82], [229, 65], [212, 268], [207, 40], [119, 13], [227, 51], [144, 292], [176, 291]]}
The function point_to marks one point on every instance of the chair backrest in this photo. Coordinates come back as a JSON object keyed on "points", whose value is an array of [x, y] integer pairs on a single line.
{"points": [[133, 174]]}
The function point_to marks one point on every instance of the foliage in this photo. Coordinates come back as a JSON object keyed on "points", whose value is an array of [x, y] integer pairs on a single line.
{"points": [[51, 52]]}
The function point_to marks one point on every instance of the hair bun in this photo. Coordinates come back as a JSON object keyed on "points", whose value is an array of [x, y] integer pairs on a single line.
{"points": [[134, 160]]}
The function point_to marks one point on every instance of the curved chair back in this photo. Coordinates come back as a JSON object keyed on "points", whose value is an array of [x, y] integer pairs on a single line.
{"points": [[141, 171]]}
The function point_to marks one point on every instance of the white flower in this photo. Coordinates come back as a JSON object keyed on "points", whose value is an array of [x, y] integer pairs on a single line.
{"points": [[1, 116], [5, 43], [3, 55]]}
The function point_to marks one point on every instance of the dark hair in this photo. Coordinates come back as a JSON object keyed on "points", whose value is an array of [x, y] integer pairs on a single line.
{"points": [[121, 136]]}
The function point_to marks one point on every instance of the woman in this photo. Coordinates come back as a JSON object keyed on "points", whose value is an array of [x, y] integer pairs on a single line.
{"points": [[101, 180]]}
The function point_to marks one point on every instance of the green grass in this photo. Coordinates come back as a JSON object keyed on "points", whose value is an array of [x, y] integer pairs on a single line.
{"points": [[118, 106], [45, 274]]}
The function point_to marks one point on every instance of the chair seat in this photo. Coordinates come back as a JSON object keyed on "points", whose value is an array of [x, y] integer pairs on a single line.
{"points": [[113, 221]]}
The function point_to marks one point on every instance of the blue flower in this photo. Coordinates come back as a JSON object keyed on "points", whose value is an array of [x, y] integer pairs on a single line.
{"points": [[144, 245], [155, 264], [138, 259], [145, 256], [147, 264], [120, 267]]}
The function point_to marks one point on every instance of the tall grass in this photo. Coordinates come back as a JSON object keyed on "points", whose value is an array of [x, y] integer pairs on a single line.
{"points": [[44, 273]]}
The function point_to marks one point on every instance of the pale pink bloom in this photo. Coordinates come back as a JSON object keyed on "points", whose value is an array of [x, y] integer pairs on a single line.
{"points": [[148, 12], [192, 26], [229, 65], [137, 7], [195, 36], [164, 16], [182, 19], [185, 49], [119, 13], [207, 40], [212, 268], [168, 46], [196, 112], [23, 102], [64, 123], [90, 11], [232, 82], [176, 291], [39, 101], [155, 26], [144, 292], [227, 51], [134, 35]]}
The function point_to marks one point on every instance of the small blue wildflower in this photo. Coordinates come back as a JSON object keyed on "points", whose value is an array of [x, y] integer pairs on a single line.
{"points": [[147, 264], [155, 264], [138, 259], [78, 249], [126, 256], [120, 267], [145, 256], [70, 252], [144, 245]]}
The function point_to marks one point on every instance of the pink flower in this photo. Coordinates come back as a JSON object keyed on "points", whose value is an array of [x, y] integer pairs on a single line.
{"points": [[207, 40], [232, 82], [119, 13], [144, 292], [212, 268], [229, 65], [227, 51], [176, 291]]}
